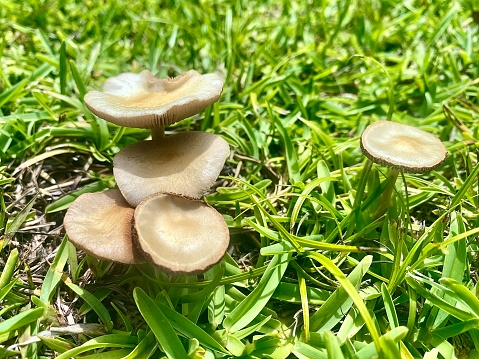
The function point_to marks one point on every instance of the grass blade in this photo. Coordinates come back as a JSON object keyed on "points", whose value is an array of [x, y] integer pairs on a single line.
{"points": [[252, 305], [63, 68], [389, 307], [190, 330], [55, 272], [305, 351], [93, 301], [462, 294], [332, 311], [333, 347], [78, 79], [291, 156], [160, 325], [20, 320], [9, 268], [353, 294], [17, 222], [145, 348], [104, 341]]}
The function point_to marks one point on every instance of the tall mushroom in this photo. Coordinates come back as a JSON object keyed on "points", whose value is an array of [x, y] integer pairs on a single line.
{"points": [[143, 101], [402, 148]]}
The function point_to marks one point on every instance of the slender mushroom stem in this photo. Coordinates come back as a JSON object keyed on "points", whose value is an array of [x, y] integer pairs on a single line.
{"points": [[386, 195], [158, 133]]}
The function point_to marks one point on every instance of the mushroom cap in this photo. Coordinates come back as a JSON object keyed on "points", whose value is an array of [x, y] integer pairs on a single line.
{"points": [[100, 224], [179, 234], [187, 163], [402, 147], [143, 101]]}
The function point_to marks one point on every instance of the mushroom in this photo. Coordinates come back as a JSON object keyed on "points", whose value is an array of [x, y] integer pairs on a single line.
{"points": [[402, 148], [180, 234], [100, 224], [143, 101], [186, 163]]}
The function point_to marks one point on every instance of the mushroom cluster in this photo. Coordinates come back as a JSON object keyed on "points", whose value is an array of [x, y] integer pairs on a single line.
{"points": [[156, 215]]}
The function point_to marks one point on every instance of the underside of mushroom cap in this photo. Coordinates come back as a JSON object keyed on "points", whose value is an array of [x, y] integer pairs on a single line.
{"points": [[100, 224], [187, 163], [180, 234], [402, 147], [143, 101]]}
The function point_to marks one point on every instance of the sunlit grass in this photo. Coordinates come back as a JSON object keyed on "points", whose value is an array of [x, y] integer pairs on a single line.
{"points": [[310, 273]]}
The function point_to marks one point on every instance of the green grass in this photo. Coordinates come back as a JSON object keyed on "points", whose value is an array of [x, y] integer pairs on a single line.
{"points": [[302, 278]]}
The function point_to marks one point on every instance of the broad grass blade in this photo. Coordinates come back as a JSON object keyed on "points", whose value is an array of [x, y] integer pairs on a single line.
{"points": [[102, 342], [93, 301], [252, 305], [8, 269], [339, 303], [189, 329], [20, 320], [55, 272], [160, 325]]}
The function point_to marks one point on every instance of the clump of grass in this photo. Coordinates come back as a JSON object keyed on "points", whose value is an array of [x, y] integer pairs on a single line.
{"points": [[301, 278]]}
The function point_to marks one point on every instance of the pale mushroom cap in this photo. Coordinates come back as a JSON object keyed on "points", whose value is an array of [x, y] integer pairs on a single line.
{"points": [[187, 163], [179, 234], [143, 101], [402, 147], [100, 224]]}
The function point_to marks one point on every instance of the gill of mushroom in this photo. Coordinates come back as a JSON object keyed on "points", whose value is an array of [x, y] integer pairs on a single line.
{"points": [[186, 163], [402, 148], [181, 235], [144, 101]]}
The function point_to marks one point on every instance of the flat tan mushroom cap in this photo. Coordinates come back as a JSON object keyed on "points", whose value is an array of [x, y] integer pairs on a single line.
{"points": [[187, 163], [179, 234], [402, 147], [143, 101], [100, 224]]}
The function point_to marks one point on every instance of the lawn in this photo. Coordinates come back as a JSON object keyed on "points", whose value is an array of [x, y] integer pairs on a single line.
{"points": [[320, 263]]}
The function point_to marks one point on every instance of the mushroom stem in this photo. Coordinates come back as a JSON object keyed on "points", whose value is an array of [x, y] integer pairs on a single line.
{"points": [[386, 195], [157, 133]]}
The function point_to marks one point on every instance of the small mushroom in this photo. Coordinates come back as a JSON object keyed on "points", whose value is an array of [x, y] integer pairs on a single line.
{"points": [[402, 148], [143, 101], [179, 234], [187, 163], [100, 224]]}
